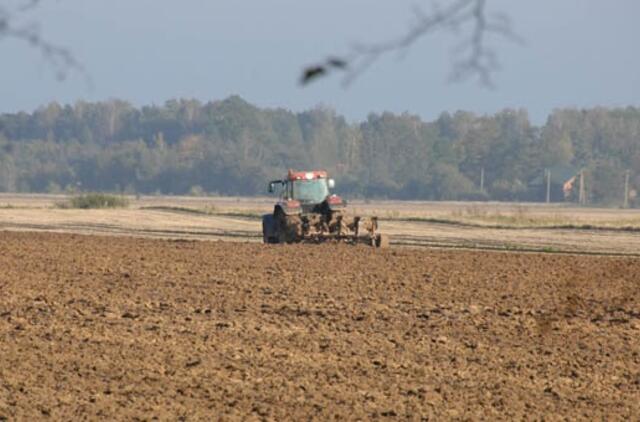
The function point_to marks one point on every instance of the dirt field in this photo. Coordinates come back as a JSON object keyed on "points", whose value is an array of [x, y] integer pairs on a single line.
{"points": [[132, 328]]}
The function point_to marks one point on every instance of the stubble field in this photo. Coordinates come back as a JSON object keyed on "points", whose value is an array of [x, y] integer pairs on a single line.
{"points": [[495, 226], [134, 328]]}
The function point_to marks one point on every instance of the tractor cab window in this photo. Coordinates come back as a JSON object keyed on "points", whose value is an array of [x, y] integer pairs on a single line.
{"points": [[310, 191]]}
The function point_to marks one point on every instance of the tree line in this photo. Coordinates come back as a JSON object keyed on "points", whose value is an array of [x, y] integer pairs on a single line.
{"points": [[232, 147]]}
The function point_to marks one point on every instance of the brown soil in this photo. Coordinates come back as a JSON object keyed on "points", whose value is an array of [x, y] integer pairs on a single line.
{"points": [[109, 327]]}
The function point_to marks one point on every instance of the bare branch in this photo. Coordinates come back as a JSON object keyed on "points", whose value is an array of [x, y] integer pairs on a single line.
{"points": [[472, 59], [60, 58]]}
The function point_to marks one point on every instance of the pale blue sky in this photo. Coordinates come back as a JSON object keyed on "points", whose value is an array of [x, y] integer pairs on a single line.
{"points": [[579, 53]]}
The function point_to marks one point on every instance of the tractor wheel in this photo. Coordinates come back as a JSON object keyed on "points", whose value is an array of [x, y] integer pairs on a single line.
{"points": [[382, 241], [269, 234], [288, 228]]}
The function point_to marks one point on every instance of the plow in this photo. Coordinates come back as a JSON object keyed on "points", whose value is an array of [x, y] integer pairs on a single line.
{"points": [[307, 212]]}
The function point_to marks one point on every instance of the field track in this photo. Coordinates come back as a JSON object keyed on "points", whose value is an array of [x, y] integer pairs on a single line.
{"points": [[135, 328]]}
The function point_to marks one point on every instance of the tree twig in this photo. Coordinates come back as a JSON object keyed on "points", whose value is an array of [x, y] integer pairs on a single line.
{"points": [[60, 58], [472, 57]]}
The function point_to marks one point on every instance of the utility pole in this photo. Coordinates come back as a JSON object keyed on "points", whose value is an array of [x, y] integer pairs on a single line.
{"points": [[482, 179], [581, 197], [626, 188], [548, 174]]}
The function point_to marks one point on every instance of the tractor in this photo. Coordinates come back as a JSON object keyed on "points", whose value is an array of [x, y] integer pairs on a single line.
{"points": [[307, 212]]}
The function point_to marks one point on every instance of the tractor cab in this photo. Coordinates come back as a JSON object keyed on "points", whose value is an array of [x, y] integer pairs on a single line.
{"points": [[308, 188]]}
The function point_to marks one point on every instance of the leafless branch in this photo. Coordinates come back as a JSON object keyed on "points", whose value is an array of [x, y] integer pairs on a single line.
{"points": [[472, 58], [60, 58]]}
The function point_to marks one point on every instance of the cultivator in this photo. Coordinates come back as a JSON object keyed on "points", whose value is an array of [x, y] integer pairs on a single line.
{"points": [[316, 228], [307, 213]]}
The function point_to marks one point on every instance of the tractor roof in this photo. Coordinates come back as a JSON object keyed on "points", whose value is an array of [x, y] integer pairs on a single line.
{"points": [[306, 175]]}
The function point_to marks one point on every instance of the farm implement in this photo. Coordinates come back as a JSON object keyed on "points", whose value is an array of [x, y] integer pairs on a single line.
{"points": [[307, 212]]}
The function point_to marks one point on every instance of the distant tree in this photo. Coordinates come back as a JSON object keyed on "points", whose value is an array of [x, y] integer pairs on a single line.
{"points": [[232, 147]]}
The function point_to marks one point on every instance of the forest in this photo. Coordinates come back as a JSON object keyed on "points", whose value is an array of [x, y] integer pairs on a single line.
{"points": [[231, 147]]}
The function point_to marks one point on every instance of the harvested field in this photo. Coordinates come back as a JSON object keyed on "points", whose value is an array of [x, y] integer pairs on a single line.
{"points": [[501, 226], [106, 327]]}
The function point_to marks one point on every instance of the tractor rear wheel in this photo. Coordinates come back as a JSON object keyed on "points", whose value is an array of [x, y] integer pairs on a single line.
{"points": [[288, 228], [382, 241], [269, 234]]}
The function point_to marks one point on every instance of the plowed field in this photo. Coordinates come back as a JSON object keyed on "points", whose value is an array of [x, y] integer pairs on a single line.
{"points": [[126, 328]]}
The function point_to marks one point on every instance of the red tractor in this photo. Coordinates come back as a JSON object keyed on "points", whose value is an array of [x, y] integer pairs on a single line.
{"points": [[308, 212]]}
